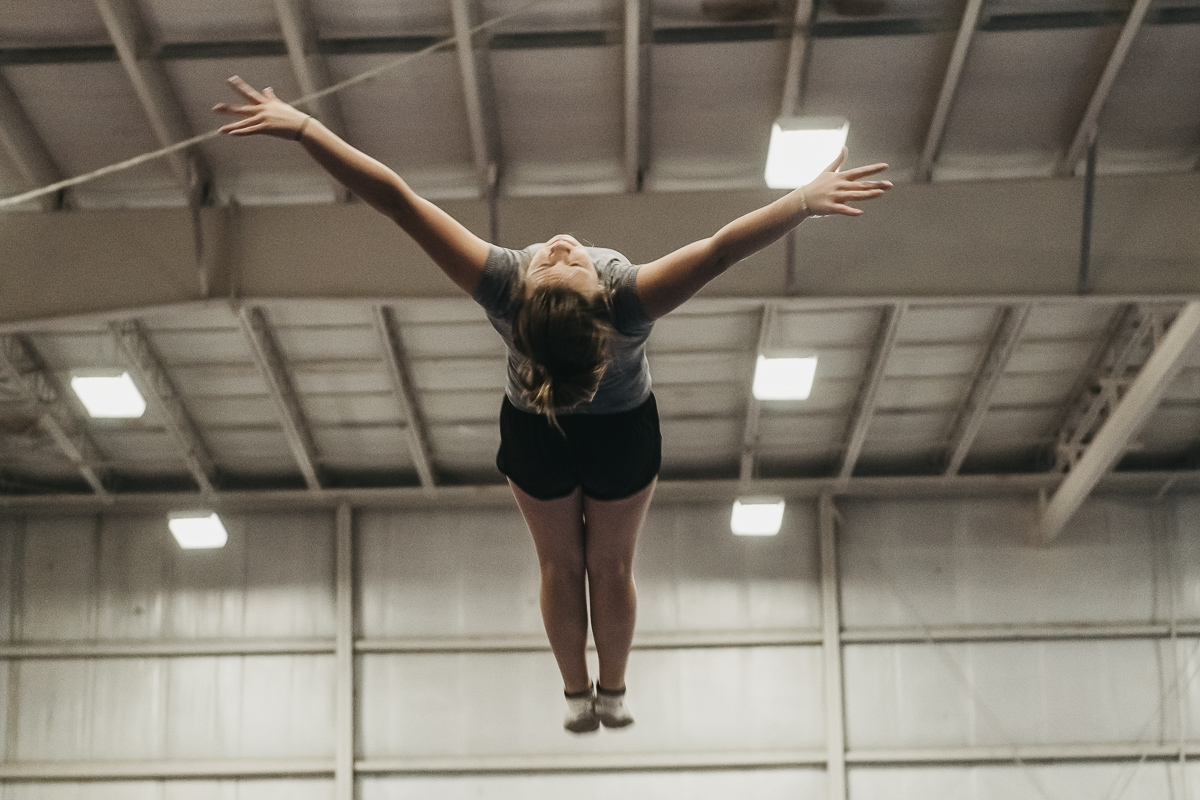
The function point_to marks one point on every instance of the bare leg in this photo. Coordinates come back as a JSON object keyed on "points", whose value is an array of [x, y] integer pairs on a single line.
{"points": [[612, 529], [557, 528]]}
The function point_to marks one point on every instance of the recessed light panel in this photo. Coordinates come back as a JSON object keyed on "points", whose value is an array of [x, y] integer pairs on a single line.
{"points": [[197, 530], [757, 516], [784, 378], [111, 396], [802, 147]]}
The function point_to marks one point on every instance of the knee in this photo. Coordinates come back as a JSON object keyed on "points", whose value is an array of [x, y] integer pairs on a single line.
{"points": [[562, 573], [609, 572]]}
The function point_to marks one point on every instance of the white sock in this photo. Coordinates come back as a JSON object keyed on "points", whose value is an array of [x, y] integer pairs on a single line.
{"points": [[581, 713], [611, 710]]}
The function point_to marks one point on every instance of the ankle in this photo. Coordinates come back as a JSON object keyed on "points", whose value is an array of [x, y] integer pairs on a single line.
{"points": [[580, 693], [610, 692]]}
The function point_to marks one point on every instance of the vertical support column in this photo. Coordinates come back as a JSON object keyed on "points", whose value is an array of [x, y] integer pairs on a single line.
{"points": [[343, 770], [831, 646], [16, 605]]}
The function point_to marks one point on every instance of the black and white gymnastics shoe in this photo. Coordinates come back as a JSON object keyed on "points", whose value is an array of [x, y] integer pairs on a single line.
{"points": [[581, 711], [611, 710]]}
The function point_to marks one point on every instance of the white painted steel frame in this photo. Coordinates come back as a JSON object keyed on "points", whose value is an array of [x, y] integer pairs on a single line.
{"points": [[279, 382], [1110, 442], [22, 368], [474, 62], [864, 405], [344, 768], [152, 86], [638, 41], [406, 393], [954, 70], [344, 654], [1086, 132], [146, 365], [25, 146], [496, 494], [831, 648]]}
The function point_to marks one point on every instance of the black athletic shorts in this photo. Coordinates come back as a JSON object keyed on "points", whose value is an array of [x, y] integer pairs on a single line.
{"points": [[612, 456]]}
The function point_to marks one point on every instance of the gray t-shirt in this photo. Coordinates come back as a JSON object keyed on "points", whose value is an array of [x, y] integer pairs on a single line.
{"points": [[626, 381]]}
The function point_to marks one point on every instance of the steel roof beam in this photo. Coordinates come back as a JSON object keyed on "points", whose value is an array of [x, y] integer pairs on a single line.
{"points": [[25, 146], [1111, 441], [1141, 483], [397, 363], [1007, 334], [638, 41], [941, 113], [795, 78], [753, 405], [154, 92], [1086, 131], [147, 368], [23, 370], [309, 65], [864, 406], [279, 383], [1122, 351], [479, 93]]}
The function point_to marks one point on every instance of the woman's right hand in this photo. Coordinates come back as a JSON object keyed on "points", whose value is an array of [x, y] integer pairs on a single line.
{"points": [[263, 113]]}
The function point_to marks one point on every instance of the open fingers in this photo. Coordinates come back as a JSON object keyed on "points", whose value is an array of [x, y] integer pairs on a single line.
{"points": [[246, 90], [859, 173], [237, 111], [241, 125], [837, 162]]}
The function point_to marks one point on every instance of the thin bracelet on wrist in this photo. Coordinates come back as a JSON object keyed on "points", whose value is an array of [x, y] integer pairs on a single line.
{"points": [[303, 125], [804, 202]]}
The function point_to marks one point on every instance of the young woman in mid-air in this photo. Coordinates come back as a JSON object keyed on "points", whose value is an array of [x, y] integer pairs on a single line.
{"points": [[579, 433]]}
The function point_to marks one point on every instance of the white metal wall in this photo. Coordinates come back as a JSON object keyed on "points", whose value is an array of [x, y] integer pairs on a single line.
{"points": [[973, 665]]}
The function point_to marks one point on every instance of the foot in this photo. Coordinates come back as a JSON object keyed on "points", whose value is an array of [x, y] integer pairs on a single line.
{"points": [[610, 708], [581, 712]]}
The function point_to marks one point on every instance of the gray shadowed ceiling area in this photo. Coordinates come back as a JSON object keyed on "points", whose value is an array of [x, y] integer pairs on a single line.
{"points": [[979, 327]]}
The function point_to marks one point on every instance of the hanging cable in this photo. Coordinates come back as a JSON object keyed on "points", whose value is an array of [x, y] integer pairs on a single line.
{"points": [[362, 77]]}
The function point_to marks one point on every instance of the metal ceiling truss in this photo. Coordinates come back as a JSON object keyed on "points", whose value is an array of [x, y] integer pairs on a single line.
{"points": [[1009, 327], [397, 363], [480, 95], [153, 88], [864, 406], [1128, 414], [160, 390], [605, 37], [941, 113], [23, 369], [312, 72], [1086, 130], [749, 454], [1131, 343], [25, 147], [638, 41], [795, 79], [279, 382]]}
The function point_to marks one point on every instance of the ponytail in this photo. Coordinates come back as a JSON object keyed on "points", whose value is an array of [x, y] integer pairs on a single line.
{"points": [[564, 337]]}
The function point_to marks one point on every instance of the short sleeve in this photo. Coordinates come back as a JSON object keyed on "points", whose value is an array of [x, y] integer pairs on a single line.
{"points": [[500, 274], [628, 315]]}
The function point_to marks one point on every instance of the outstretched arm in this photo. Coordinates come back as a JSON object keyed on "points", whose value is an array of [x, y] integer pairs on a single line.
{"points": [[664, 285], [460, 253]]}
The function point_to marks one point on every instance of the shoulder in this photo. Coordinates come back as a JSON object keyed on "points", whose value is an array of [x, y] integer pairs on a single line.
{"points": [[619, 277], [501, 273]]}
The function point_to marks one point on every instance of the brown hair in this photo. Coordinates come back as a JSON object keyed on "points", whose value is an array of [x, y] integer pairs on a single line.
{"points": [[564, 337]]}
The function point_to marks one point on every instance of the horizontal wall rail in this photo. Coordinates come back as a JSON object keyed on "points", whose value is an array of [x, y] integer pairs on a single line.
{"points": [[536, 642], [678, 491]]}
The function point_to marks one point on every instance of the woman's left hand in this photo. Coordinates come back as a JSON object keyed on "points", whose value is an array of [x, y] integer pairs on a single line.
{"points": [[830, 192]]}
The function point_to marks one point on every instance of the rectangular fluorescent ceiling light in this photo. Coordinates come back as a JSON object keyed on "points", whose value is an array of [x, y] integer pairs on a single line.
{"points": [[802, 147], [756, 516], [197, 530], [784, 378], [109, 396]]}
